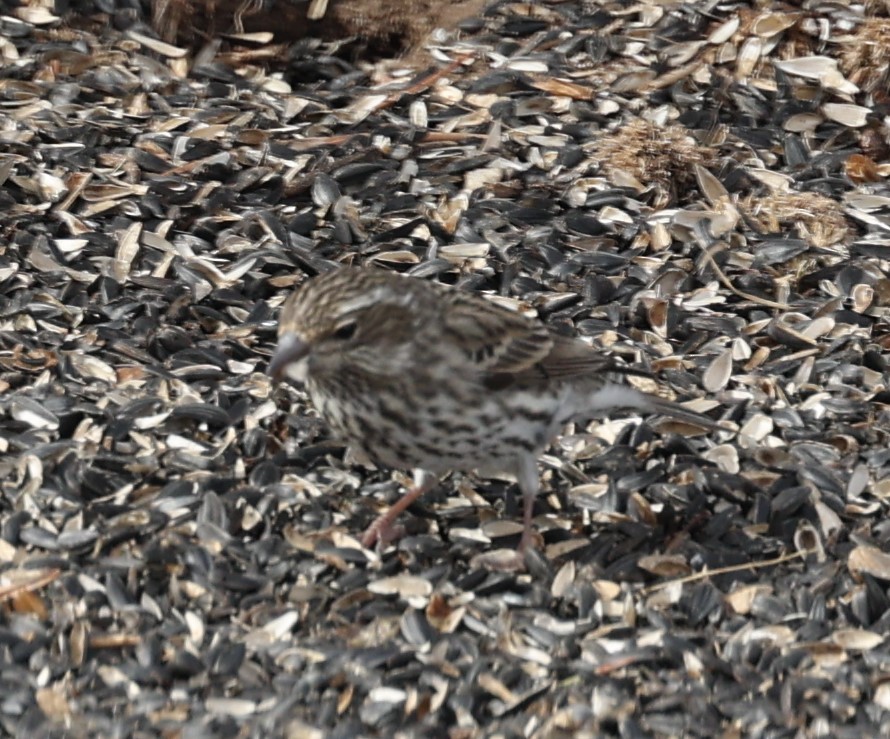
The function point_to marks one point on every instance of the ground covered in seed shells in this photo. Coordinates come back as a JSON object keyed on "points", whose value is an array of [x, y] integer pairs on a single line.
{"points": [[700, 188]]}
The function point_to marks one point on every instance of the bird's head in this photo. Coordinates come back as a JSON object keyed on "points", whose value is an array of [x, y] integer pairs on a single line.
{"points": [[347, 319]]}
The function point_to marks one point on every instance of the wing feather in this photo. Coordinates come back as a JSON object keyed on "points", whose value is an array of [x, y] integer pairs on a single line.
{"points": [[493, 339], [506, 347]]}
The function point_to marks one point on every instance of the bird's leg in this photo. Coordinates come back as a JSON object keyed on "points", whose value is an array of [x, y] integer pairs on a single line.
{"points": [[514, 561], [529, 484], [382, 528]]}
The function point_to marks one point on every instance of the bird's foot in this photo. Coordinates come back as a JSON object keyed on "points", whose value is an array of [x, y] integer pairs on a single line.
{"points": [[383, 531]]}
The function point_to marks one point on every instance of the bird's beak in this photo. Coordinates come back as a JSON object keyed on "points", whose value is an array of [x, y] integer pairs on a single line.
{"points": [[291, 348]]}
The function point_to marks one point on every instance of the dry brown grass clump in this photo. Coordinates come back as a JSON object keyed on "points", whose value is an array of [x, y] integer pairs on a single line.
{"points": [[390, 26], [864, 54], [661, 157], [815, 218]]}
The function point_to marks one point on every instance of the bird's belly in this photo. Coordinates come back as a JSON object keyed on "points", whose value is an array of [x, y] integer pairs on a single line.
{"points": [[442, 431]]}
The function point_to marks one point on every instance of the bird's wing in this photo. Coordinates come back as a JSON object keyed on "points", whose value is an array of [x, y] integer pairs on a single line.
{"points": [[507, 347], [571, 358], [494, 339]]}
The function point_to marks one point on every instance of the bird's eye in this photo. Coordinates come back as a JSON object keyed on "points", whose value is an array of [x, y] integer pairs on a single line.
{"points": [[345, 331]]}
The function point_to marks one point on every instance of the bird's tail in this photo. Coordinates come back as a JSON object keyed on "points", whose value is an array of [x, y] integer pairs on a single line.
{"points": [[619, 395]]}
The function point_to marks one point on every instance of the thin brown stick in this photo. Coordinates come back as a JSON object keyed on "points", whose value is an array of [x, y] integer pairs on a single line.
{"points": [[727, 570], [733, 289], [40, 580]]}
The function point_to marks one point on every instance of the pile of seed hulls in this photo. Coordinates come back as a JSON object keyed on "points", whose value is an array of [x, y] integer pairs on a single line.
{"points": [[699, 188]]}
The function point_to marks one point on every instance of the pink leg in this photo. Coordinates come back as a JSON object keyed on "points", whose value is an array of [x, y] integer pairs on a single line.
{"points": [[528, 533], [499, 560], [382, 528], [527, 476]]}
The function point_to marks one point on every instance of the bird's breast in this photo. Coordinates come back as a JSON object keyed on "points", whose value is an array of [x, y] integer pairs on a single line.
{"points": [[440, 426]]}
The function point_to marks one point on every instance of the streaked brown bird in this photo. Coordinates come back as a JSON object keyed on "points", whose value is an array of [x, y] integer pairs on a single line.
{"points": [[417, 375]]}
